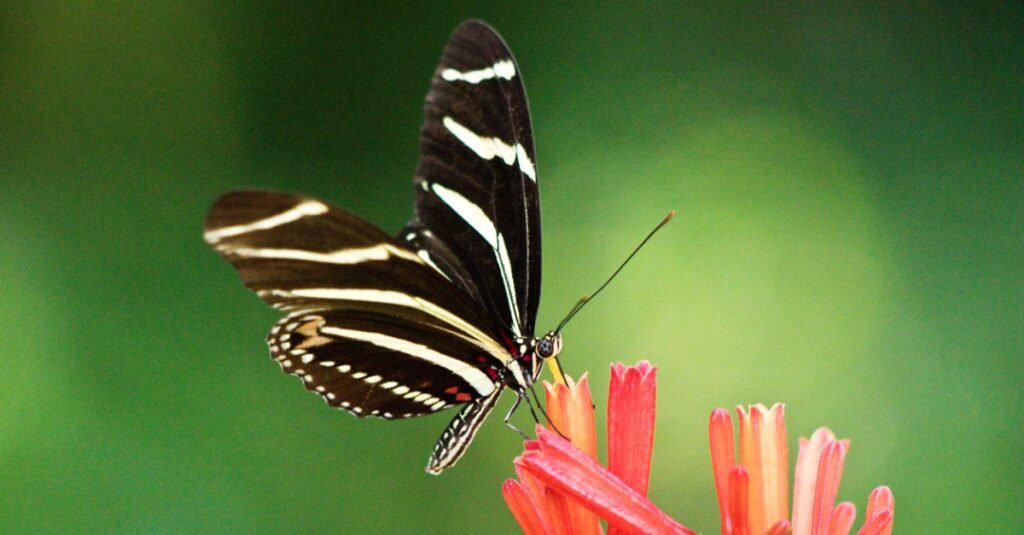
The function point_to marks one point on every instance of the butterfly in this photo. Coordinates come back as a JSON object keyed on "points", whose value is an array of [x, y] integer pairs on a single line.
{"points": [[441, 314]]}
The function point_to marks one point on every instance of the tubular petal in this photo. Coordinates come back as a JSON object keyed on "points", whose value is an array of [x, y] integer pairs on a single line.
{"points": [[523, 509], [571, 472], [534, 488], [842, 519], [631, 406], [878, 524], [774, 466], [751, 424], [805, 479], [571, 408], [558, 512], [881, 499], [722, 461], [830, 472], [739, 501]]}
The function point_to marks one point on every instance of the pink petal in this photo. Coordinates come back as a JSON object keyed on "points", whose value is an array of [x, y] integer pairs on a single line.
{"points": [[842, 519], [750, 457], [535, 491], [775, 466], [763, 451], [631, 402], [782, 527], [739, 501], [881, 499], [558, 512], [722, 461], [830, 472], [879, 524], [523, 509], [805, 479], [573, 473]]}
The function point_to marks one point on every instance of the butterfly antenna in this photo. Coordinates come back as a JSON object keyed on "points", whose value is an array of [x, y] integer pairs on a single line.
{"points": [[586, 299]]}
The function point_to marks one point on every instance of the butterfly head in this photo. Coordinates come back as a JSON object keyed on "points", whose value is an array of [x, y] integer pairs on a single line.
{"points": [[549, 346], [546, 347]]}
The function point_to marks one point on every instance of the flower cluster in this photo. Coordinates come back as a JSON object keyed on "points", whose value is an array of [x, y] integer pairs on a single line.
{"points": [[753, 496], [562, 488]]}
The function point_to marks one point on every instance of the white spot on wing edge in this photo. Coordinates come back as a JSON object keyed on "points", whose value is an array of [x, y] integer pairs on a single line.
{"points": [[525, 163]]}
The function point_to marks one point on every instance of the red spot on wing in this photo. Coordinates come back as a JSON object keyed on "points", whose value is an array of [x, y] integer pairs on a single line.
{"points": [[452, 390], [463, 397]]}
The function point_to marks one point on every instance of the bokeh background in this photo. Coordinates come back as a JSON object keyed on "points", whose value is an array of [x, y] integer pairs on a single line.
{"points": [[850, 187]]}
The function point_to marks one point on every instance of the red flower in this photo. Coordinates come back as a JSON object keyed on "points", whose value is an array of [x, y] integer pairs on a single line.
{"points": [[752, 495], [562, 488]]}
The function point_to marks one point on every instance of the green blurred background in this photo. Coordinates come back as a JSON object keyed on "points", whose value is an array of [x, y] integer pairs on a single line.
{"points": [[850, 187]]}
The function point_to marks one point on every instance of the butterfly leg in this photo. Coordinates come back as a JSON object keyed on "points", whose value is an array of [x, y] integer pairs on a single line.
{"points": [[540, 407], [515, 407]]}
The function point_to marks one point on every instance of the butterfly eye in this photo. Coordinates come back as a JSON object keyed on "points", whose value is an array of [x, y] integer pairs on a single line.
{"points": [[545, 348]]}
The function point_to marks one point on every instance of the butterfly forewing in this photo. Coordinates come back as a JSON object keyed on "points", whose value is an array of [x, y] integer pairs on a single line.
{"points": [[298, 253], [476, 182]]}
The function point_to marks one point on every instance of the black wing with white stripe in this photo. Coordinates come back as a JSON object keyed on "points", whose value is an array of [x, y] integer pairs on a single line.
{"points": [[299, 253], [476, 182], [372, 365], [460, 432], [361, 301]]}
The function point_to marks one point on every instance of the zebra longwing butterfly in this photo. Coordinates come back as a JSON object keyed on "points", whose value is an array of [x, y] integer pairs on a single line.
{"points": [[441, 315]]}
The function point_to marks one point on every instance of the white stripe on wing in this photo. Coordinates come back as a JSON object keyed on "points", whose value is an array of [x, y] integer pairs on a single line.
{"points": [[489, 147], [475, 217], [295, 213], [389, 297], [353, 255], [473, 376], [501, 69]]}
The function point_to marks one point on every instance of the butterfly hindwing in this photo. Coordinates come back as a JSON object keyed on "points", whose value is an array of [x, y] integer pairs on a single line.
{"points": [[476, 182], [372, 365]]}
